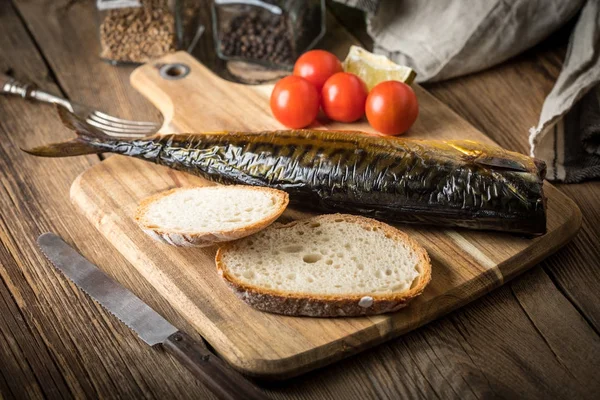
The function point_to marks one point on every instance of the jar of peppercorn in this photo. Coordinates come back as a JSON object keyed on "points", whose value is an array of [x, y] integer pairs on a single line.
{"points": [[273, 33], [137, 31]]}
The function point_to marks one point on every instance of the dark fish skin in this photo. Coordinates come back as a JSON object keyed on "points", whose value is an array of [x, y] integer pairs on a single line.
{"points": [[445, 183]]}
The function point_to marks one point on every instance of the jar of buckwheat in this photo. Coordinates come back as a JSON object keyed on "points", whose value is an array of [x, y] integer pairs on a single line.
{"points": [[137, 31]]}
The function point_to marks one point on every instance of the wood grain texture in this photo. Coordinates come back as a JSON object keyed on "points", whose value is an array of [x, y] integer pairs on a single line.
{"points": [[54, 341], [466, 264], [225, 382], [67, 36], [531, 76], [482, 351]]}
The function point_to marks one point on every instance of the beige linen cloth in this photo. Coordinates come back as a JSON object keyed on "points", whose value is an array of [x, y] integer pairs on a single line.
{"points": [[443, 39]]}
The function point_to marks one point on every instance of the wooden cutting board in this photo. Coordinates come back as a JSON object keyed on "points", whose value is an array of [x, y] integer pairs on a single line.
{"points": [[466, 264]]}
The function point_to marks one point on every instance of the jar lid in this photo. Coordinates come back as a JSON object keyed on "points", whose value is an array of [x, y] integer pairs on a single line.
{"points": [[273, 8], [112, 4]]}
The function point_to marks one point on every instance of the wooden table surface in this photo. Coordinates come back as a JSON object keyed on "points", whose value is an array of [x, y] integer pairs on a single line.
{"points": [[535, 337]]}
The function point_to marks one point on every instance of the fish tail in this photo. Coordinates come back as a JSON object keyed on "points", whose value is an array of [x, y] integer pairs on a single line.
{"points": [[89, 139]]}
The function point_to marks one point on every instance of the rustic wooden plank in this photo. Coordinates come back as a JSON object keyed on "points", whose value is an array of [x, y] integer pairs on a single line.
{"points": [[531, 294], [531, 76], [70, 345], [66, 32], [517, 352], [488, 349], [388, 368], [575, 270], [17, 379]]}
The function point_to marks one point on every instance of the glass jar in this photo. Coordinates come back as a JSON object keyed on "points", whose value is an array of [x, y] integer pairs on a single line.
{"points": [[137, 31], [273, 33]]}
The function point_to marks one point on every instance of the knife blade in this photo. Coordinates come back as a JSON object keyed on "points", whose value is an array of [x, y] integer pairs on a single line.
{"points": [[150, 326]]}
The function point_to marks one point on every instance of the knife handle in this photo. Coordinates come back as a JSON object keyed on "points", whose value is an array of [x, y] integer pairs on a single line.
{"points": [[220, 378]]}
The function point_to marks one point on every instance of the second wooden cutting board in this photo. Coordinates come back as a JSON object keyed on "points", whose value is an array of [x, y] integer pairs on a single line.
{"points": [[466, 264]]}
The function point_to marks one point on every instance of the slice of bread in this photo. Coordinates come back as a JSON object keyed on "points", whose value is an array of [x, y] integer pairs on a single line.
{"points": [[327, 266], [204, 216]]}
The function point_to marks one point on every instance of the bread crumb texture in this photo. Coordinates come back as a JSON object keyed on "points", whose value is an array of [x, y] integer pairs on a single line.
{"points": [[206, 210], [337, 257]]}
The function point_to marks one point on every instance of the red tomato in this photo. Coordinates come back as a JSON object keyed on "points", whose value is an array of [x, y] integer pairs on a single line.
{"points": [[343, 97], [316, 66], [392, 107], [295, 102]]}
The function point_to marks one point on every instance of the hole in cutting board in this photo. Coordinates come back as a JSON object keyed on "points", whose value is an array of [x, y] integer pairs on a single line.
{"points": [[174, 71]]}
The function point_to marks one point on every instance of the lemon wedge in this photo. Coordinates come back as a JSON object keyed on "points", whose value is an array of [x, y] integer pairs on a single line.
{"points": [[374, 68]]}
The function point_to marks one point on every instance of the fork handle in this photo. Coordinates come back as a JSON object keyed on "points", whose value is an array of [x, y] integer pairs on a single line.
{"points": [[10, 85]]}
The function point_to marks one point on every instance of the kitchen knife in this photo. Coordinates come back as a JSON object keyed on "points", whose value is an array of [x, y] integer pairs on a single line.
{"points": [[150, 326]]}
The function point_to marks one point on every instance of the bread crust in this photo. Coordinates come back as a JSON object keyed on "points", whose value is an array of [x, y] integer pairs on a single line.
{"points": [[311, 305], [204, 239]]}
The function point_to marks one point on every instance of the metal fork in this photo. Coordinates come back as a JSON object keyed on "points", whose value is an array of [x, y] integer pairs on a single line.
{"points": [[108, 124]]}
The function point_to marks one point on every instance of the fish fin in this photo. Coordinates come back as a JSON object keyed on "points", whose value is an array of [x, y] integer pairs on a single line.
{"points": [[74, 147], [88, 138], [500, 163], [78, 124]]}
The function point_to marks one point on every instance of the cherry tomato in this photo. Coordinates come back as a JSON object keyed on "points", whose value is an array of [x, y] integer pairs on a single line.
{"points": [[316, 66], [392, 107], [295, 102], [343, 97]]}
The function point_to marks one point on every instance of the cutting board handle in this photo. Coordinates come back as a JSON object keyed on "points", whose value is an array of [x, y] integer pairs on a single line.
{"points": [[187, 92]]}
